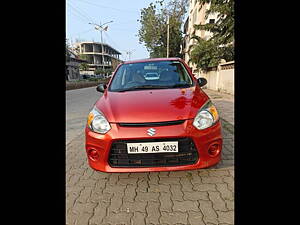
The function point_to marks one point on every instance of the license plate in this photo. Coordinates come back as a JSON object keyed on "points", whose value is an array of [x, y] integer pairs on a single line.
{"points": [[152, 147]]}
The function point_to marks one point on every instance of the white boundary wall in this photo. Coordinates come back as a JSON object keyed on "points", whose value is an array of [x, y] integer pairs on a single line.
{"points": [[221, 78]]}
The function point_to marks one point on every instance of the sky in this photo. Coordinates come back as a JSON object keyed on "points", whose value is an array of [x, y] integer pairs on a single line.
{"points": [[121, 33]]}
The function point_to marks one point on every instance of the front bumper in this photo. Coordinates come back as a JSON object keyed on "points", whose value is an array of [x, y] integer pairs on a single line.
{"points": [[202, 140]]}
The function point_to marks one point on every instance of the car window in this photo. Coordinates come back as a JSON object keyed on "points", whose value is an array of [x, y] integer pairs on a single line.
{"points": [[145, 75]]}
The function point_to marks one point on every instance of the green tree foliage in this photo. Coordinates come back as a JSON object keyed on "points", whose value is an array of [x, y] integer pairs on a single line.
{"points": [[99, 71], [208, 53], [83, 57], [103, 71], [205, 54], [153, 30], [108, 71], [223, 29], [83, 66]]}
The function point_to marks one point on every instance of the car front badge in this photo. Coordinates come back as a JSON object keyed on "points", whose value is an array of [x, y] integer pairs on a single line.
{"points": [[151, 132]]}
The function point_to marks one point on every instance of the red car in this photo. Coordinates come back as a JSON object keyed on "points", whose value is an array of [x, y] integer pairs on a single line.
{"points": [[153, 116]]}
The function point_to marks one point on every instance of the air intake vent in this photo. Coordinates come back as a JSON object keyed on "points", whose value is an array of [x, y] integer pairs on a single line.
{"points": [[187, 154], [152, 124]]}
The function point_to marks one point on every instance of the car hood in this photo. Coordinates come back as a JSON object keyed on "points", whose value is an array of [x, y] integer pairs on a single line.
{"points": [[156, 105]]}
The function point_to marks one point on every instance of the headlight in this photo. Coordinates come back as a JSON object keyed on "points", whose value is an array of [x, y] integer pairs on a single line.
{"points": [[97, 122], [206, 116]]}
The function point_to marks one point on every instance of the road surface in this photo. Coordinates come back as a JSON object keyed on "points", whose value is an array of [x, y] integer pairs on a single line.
{"points": [[79, 102]]}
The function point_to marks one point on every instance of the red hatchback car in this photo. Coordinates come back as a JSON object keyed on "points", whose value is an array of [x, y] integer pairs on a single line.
{"points": [[153, 116]]}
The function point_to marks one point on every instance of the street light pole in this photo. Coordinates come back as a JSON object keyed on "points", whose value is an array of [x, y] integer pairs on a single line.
{"points": [[101, 29], [102, 49], [168, 36]]}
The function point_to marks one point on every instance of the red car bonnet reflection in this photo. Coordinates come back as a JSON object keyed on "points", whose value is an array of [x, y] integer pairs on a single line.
{"points": [[151, 105]]}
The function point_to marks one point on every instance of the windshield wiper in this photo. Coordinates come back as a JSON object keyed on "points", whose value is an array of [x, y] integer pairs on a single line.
{"points": [[180, 85], [144, 87]]}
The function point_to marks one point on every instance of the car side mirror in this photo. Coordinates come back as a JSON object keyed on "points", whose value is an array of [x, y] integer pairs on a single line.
{"points": [[101, 87], [202, 81]]}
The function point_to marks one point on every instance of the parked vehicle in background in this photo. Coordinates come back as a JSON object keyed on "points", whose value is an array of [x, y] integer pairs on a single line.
{"points": [[85, 76]]}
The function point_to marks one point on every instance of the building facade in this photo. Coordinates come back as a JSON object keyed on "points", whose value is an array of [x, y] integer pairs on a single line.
{"points": [[72, 66], [92, 51], [196, 16]]}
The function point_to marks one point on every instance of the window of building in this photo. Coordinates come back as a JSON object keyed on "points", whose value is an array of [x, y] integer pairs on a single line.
{"points": [[212, 21]]}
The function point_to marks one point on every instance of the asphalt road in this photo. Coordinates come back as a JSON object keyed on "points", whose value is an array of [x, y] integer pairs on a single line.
{"points": [[79, 102]]}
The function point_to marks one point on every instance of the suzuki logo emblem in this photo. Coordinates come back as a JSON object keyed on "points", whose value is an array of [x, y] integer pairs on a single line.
{"points": [[151, 131]]}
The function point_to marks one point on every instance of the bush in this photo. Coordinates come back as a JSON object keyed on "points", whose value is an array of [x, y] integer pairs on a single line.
{"points": [[93, 79], [84, 84]]}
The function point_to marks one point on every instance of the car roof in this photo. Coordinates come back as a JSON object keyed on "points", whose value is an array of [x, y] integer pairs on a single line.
{"points": [[153, 60]]}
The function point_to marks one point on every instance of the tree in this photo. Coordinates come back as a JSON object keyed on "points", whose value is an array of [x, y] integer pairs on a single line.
{"points": [[83, 57], [153, 31], [208, 53], [109, 71], [223, 28], [99, 71], [106, 71], [83, 66], [205, 54]]}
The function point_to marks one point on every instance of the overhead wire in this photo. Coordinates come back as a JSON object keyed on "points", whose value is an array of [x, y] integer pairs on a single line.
{"points": [[102, 6], [78, 16], [84, 13], [113, 42], [83, 32], [88, 19]]}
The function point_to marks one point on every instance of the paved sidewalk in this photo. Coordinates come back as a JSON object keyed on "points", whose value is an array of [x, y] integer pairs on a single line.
{"points": [[224, 103], [196, 197]]}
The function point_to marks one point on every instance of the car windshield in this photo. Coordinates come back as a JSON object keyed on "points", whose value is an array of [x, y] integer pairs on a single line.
{"points": [[150, 75]]}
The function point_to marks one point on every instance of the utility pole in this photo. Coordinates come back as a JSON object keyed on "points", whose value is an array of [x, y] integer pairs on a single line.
{"points": [[102, 50], [129, 52], [168, 36], [101, 29]]}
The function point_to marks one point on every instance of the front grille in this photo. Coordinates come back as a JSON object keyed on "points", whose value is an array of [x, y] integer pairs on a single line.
{"points": [[152, 124], [187, 154]]}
